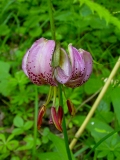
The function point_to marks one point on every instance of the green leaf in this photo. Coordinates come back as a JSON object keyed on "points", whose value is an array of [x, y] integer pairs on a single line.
{"points": [[28, 125], [45, 139], [102, 12], [49, 156], [60, 146], [110, 156], [15, 158], [97, 128], [117, 153], [3, 156], [29, 143], [18, 121], [1, 146], [10, 137], [12, 145], [18, 131], [35, 32], [2, 138], [105, 116], [115, 96], [4, 30], [4, 77], [93, 85], [4, 69], [102, 154]]}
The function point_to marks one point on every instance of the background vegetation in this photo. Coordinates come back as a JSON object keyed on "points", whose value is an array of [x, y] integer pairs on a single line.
{"points": [[91, 25]]}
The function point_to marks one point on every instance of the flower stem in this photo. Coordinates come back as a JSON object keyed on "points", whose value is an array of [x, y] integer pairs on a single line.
{"points": [[51, 20], [49, 96], [54, 96], [35, 121], [64, 126], [60, 95]]}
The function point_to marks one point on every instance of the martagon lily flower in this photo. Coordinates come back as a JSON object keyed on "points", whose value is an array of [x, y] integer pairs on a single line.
{"points": [[37, 64], [47, 63]]}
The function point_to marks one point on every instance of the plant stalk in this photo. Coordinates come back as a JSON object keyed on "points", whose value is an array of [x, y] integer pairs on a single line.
{"points": [[60, 90], [51, 19], [35, 122], [100, 96], [64, 126]]}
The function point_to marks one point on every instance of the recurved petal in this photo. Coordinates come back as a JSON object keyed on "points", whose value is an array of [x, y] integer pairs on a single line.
{"points": [[63, 72], [55, 119], [77, 61], [88, 64], [39, 62], [81, 66]]}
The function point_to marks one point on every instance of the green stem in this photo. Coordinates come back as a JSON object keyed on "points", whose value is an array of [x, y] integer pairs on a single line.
{"points": [[61, 99], [64, 126], [54, 96], [51, 20], [49, 96], [35, 121]]}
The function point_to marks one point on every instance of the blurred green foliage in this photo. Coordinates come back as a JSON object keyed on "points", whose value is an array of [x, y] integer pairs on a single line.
{"points": [[91, 25]]}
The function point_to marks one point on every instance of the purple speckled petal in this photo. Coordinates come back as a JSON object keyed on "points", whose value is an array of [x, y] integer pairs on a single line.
{"points": [[77, 61], [81, 62], [63, 72], [88, 64], [39, 60]]}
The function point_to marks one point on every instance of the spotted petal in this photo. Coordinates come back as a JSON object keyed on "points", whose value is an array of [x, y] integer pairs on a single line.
{"points": [[38, 62], [88, 64], [81, 62]]}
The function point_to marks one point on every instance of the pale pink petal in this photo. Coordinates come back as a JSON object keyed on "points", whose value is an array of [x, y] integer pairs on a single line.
{"points": [[81, 62], [77, 61], [39, 62], [88, 64]]}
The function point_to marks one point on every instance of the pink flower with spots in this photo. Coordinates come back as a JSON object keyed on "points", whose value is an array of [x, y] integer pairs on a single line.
{"points": [[47, 63], [37, 64]]}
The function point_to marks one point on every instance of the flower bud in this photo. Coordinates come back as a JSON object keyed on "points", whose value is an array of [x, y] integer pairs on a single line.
{"points": [[57, 117], [71, 108], [40, 116]]}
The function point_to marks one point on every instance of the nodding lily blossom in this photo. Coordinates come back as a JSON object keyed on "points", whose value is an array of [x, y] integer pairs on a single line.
{"points": [[47, 63], [81, 62], [37, 64]]}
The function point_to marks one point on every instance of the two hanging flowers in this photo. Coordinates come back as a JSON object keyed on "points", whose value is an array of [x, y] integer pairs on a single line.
{"points": [[47, 63]]}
